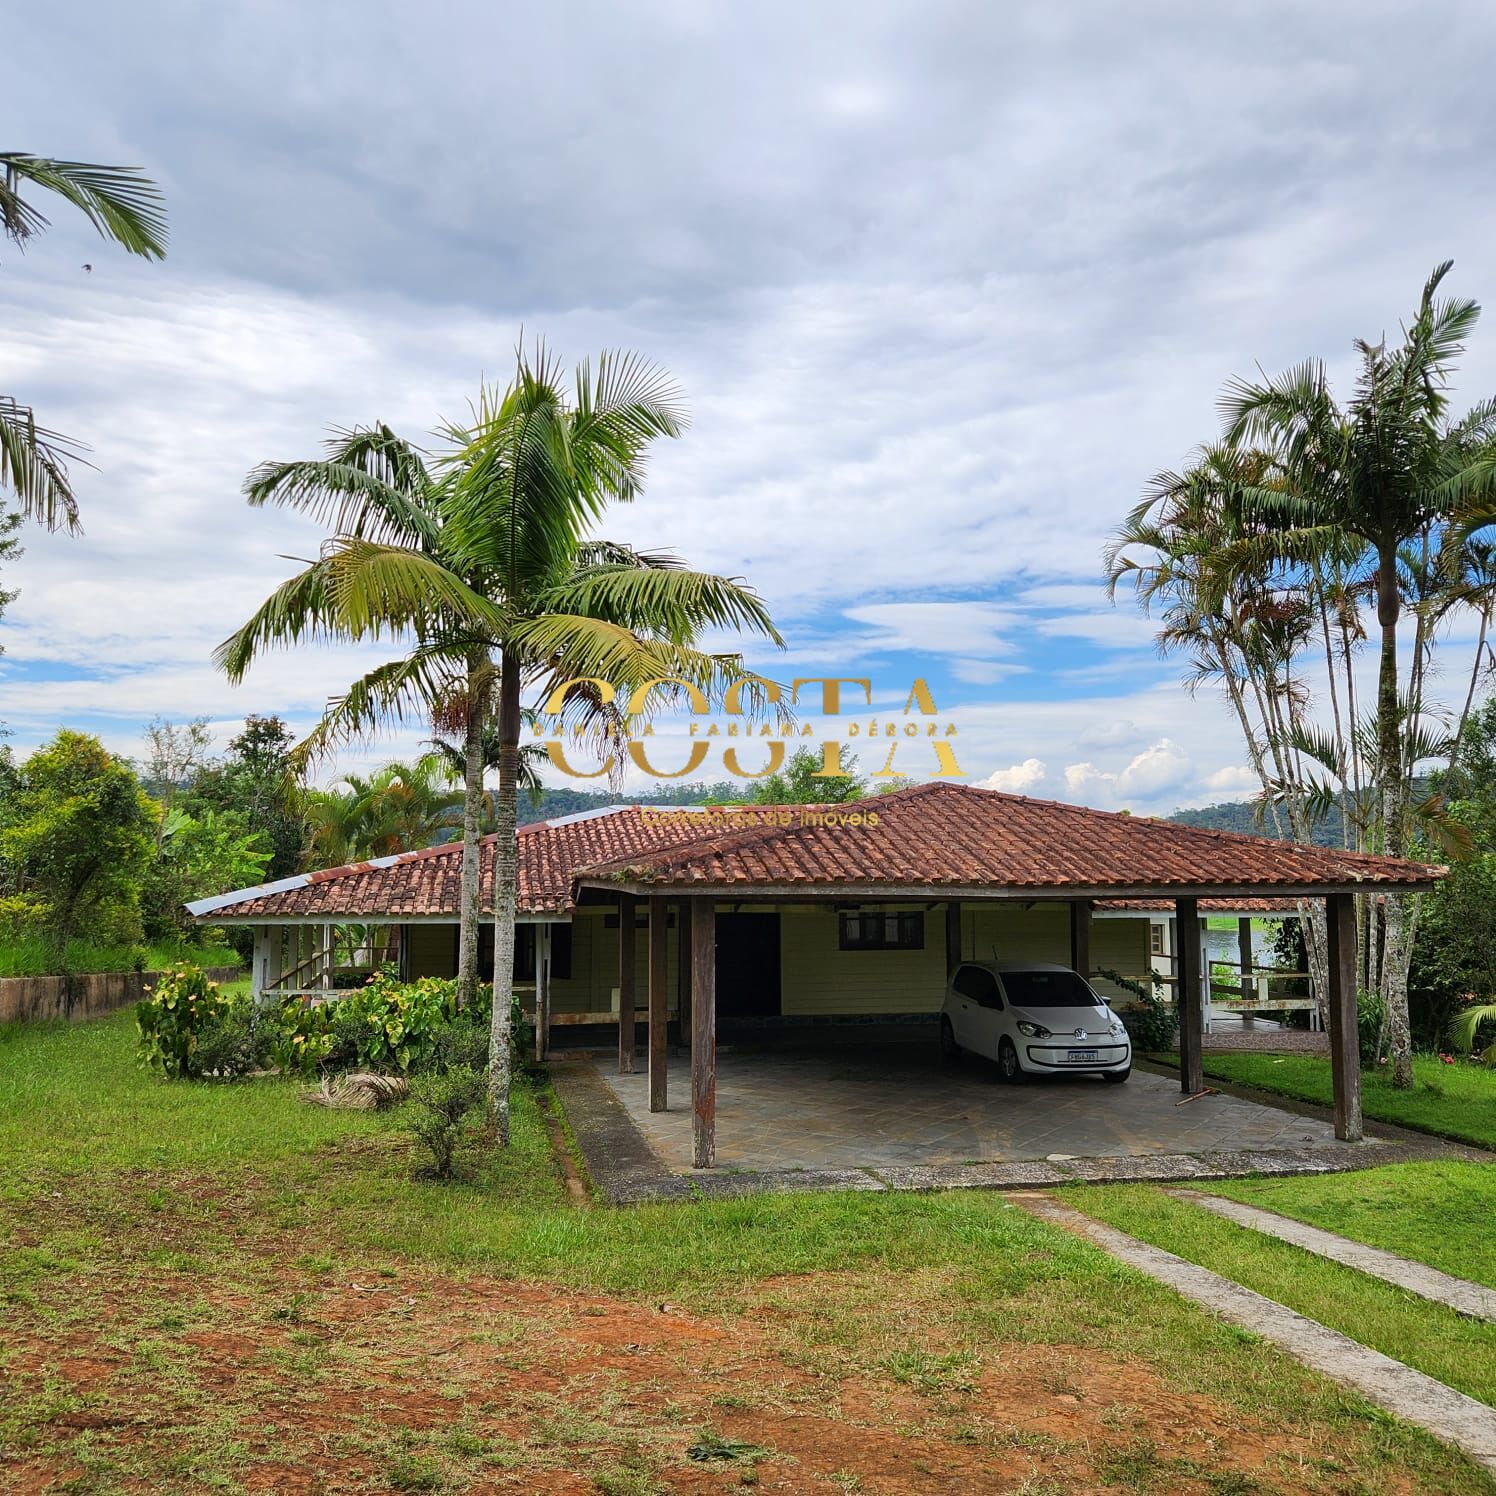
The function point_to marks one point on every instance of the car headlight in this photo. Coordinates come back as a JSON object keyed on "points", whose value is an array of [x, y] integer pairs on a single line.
{"points": [[1118, 1031], [1033, 1030]]}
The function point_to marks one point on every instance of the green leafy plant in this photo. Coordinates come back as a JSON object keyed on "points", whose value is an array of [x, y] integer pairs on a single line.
{"points": [[189, 1027], [301, 1036], [411, 1027], [394, 1023], [1151, 1023], [1371, 1024], [438, 1113], [1467, 1026]]}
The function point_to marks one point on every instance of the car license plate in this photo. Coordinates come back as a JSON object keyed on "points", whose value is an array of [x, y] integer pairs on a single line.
{"points": [[1077, 1055]]}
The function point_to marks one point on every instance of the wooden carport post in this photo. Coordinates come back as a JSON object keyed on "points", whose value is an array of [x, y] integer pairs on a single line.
{"points": [[625, 984], [1188, 996], [703, 1033], [1080, 938], [1340, 1006], [659, 1012], [683, 971], [1244, 954], [952, 937]]}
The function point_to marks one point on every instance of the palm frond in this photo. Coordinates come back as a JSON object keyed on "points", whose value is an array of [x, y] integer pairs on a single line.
{"points": [[34, 467], [371, 485], [298, 611], [375, 590], [675, 603], [1464, 1026], [121, 202]]}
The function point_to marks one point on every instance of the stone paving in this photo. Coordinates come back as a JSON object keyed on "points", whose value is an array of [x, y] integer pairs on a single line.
{"points": [[897, 1106]]}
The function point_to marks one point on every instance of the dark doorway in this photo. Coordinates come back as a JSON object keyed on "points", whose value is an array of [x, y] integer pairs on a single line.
{"points": [[747, 966]]}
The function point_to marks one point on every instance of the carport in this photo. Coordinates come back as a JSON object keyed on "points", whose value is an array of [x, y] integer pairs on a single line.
{"points": [[959, 848]]}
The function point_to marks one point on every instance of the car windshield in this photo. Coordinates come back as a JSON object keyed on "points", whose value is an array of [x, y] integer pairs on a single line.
{"points": [[1048, 989]]}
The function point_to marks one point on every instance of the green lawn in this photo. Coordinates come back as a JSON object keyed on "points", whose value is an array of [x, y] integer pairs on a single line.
{"points": [[1459, 1351], [39, 958], [1455, 1101], [1438, 1213], [221, 1283]]}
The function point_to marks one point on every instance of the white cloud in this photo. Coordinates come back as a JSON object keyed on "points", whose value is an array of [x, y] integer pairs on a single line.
{"points": [[1234, 781], [1018, 779], [1163, 771], [964, 628]]}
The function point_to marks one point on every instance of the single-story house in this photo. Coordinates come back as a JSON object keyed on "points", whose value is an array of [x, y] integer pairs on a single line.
{"points": [[803, 913]]}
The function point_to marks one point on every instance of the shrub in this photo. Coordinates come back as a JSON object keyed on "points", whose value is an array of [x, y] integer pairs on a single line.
{"points": [[412, 1027], [459, 1045], [1151, 1023], [188, 1027], [438, 1112], [393, 1023], [302, 1036], [1371, 1024]]}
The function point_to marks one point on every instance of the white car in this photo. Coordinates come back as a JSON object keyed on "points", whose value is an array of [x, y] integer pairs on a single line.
{"points": [[1032, 1018]]}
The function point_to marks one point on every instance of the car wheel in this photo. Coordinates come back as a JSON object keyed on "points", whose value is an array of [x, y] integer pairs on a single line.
{"points": [[949, 1049], [1117, 1076], [1008, 1068]]}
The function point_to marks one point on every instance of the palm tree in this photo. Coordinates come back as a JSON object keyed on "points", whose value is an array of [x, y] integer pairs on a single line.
{"points": [[1382, 473], [398, 808], [123, 205], [495, 566], [453, 755], [374, 488]]}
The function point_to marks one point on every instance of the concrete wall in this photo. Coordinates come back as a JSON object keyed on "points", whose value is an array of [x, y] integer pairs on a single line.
{"points": [[85, 995]]}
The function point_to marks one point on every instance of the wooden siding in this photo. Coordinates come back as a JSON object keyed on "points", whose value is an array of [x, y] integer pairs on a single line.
{"points": [[432, 950], [594, 966], [1038, 932], [1120, 945], [817, 978]]}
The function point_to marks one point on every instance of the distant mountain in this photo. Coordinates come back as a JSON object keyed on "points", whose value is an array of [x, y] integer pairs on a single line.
{"points": [[570, 802], [1243, 816]]}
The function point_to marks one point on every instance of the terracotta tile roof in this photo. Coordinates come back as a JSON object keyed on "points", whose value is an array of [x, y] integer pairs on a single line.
{"points": [[946, 836], [935, 836], [426, 884]]}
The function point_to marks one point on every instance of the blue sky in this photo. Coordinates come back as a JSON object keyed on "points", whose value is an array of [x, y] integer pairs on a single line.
{"points": [[943, 285]]}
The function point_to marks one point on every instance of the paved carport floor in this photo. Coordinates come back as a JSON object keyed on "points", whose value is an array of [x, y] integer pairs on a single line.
{"points": [[864, 1106]]}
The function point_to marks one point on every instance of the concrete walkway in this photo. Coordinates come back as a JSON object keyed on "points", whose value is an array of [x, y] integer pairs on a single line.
{"points": [[1448, 1415], [1459, 1294]]}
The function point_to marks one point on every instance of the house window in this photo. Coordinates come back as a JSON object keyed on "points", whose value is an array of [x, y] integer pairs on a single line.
{"points": [[876, 931], [1156, 939]]}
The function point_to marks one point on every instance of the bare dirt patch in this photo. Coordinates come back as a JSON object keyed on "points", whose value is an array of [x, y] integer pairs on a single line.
{"points": [[307, 1382]]}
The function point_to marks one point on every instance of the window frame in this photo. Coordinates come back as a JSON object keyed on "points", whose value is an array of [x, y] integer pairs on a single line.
{"points": [[909, 925]]}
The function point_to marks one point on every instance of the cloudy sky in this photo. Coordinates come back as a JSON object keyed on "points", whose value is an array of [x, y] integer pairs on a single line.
{"points": [[944, 284]]}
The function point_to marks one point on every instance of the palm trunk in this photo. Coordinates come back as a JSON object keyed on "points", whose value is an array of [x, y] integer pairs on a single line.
{"points": [[505, 890], [472, 808], [1480, 649], [1389, 771]]}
